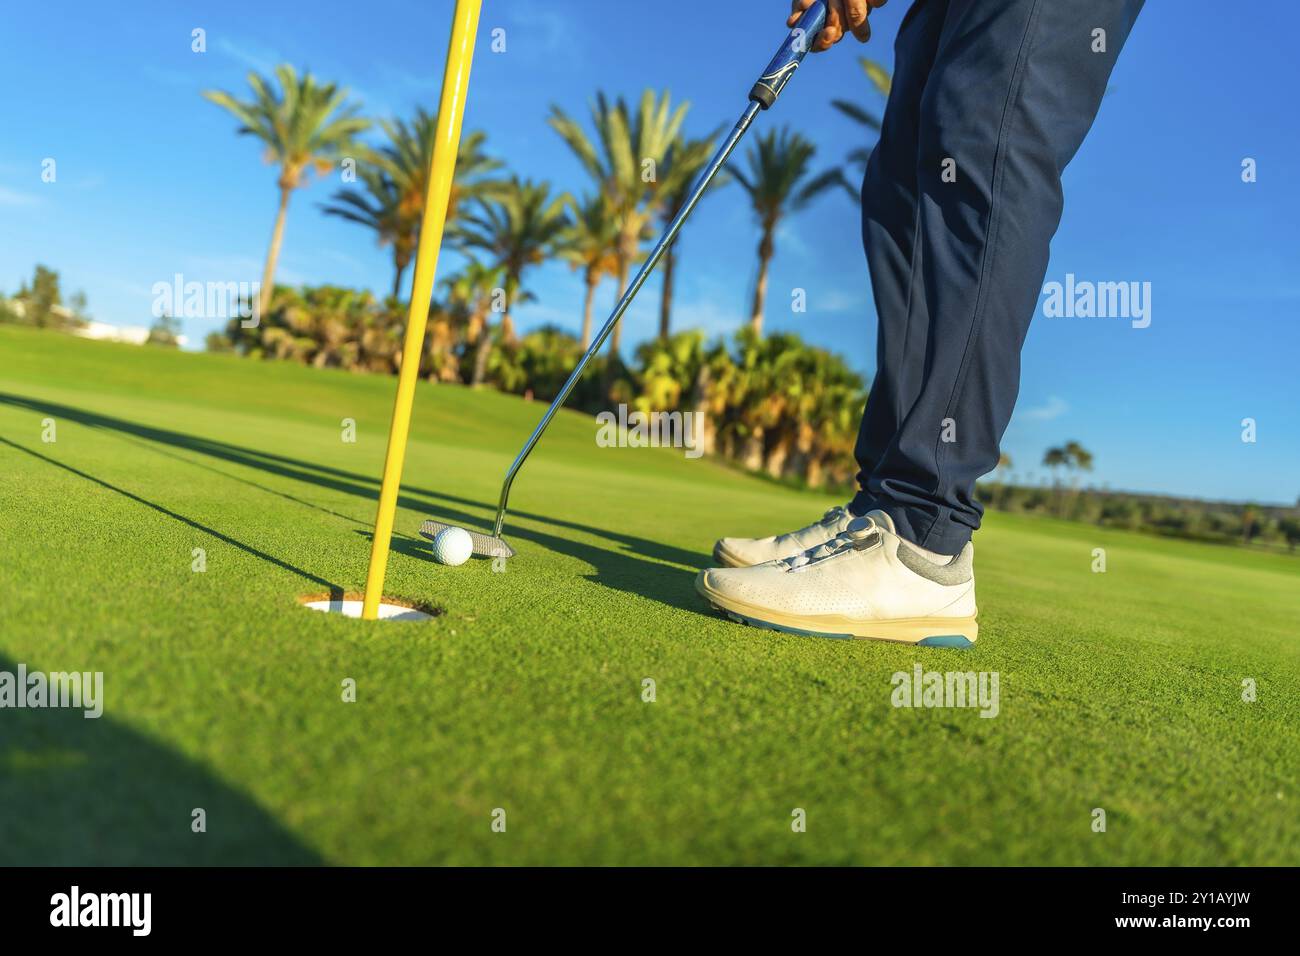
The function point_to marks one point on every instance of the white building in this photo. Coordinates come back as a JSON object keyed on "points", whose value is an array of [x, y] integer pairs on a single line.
{"points": [[130, 334]]}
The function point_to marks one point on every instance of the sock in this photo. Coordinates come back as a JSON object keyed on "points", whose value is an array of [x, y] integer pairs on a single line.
{"points": [[930, 555]]}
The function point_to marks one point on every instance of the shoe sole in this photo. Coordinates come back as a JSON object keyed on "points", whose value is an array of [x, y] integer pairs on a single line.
{"points": [[957, 632]]}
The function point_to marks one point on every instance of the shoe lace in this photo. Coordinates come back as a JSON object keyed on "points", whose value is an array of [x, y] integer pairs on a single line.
{"points": [[858, 535], [832, 515]]}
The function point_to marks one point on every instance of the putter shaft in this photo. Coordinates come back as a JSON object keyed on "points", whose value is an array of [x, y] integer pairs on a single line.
{"points": [[666, 240], [763, 94]]}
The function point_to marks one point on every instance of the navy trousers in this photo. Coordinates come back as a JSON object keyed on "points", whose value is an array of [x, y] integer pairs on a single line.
{"points": [[990, 100]]}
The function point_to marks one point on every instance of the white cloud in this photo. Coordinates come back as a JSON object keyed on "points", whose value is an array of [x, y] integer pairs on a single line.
{"points": [[237, 268], [546, 32], [838, 301], [1054, 407], [260, 59], [10, 197]]}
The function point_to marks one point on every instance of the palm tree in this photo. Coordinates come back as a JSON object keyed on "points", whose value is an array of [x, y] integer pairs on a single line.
{"points": [[669, 371], [517, 228], [1000, 488], [1079, 457], [1070, 456], [322, 326], [836, 412], [865, 117], [588, 244], [472, 291], [441, 361], [682, 165], [626, 147], [544, 360], [409, 152], [306, 126], [379, 207], [755, 398], [804, 417], [1055, 458], [396, 182], [826, 402], [778, 184]]}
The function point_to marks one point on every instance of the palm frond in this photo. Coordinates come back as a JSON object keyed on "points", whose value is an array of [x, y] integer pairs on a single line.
{"points": [[858, 114]]}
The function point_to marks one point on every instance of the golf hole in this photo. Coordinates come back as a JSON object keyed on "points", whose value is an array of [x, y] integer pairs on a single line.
{"points": [[349, 605]]}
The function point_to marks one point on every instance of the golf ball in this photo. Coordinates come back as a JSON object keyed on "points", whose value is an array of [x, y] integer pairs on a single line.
{"points": [[452, 546]]}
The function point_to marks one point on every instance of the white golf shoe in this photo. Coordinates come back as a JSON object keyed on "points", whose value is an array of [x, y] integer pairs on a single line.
{"points": [[745, 552], [866, 583]]}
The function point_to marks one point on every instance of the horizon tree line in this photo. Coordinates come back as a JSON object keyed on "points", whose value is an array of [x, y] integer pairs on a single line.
{"points": [[640, 163]]}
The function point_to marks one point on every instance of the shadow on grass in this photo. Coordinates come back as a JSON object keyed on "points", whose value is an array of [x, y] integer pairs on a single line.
{"points": [[633, 564], [666, 583], [91, 792], [335, 590]]}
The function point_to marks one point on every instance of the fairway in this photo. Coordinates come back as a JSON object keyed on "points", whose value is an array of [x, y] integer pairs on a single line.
{"points": [[1119, 690]]}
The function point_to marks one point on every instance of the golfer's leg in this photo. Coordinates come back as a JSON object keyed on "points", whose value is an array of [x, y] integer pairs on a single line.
{"points": [[1014, 88], [889, 220]]}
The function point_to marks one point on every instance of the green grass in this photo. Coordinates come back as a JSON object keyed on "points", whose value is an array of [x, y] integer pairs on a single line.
{"points": [[1119, 690]]}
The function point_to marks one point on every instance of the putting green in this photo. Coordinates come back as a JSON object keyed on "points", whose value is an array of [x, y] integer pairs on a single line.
{"points": [[1120, 690]]}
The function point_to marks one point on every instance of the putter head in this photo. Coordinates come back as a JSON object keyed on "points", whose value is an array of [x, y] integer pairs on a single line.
{"points": [[485, 545]]}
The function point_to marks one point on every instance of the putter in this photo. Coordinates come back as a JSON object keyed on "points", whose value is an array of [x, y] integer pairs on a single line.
{"points": [[763, 94]]}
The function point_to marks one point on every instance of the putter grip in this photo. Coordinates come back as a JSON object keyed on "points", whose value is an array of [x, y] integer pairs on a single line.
{"points": [[791, 54]]}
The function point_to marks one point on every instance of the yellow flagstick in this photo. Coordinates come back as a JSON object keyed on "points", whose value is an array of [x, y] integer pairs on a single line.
{"points": [[455, 85]]}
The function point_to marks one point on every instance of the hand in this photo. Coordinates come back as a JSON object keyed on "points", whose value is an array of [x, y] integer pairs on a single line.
{"points": [[841, 15]]}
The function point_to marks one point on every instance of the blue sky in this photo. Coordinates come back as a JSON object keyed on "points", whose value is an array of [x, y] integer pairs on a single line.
{"points": [[152, 181]]}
